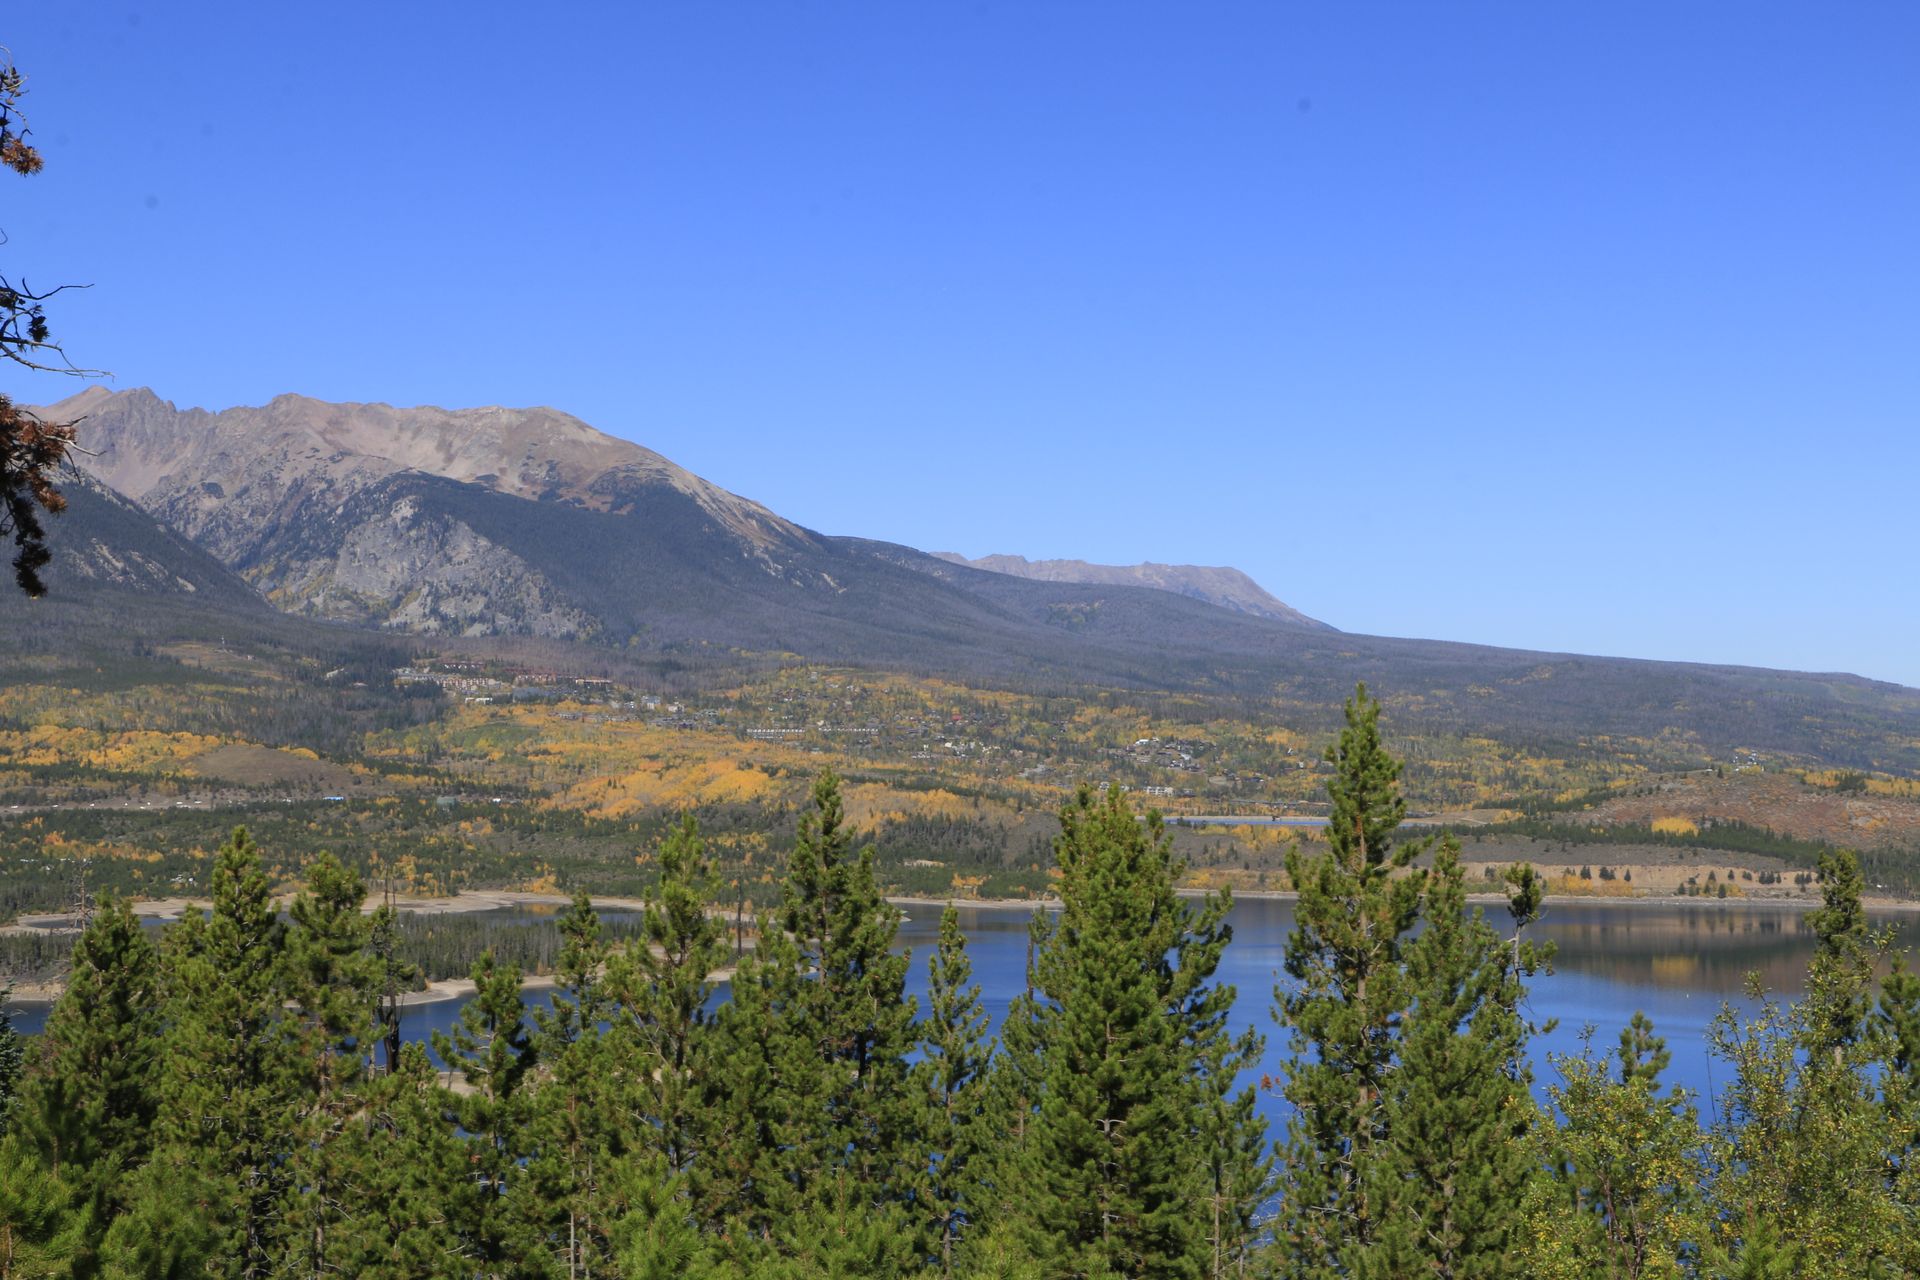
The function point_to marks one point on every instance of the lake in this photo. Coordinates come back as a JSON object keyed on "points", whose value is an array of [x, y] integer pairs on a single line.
{"points": [[1678, 963]]}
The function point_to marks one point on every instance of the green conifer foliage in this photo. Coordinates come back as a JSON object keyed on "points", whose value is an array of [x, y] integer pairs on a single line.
{"points": [[12, 1054], [579, 1114], [1357, 902], [333, 979], [407, 1189], [655, 1237], [808, 1103], [85, 1115], [840, 1234], [1133, 1053], [491, 1048], [1898, 1019], [757, 1079], [43, 1223], [176, 1226], [1014, 1083], [1841, 975], [952, 1080], [1455, 1162], [233, 1076], [851, 1012], [665, 983], [1758, 1252]]}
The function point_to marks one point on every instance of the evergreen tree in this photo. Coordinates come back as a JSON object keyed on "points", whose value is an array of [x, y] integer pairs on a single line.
{"points": [[1134, 1052], [230, 1084], [500, 1230], [759, 1081], [1014, 1082], [334, 981], [807, 1112], [1840, 988], [178, 1224], [12, 1054], [42, 1222], [853, 1013], [1898, 1018], [1758, 1252], [408, 1193], [655, 1236], [665, 982], [1357, 902], [85, 1116], [391, 975], [952, 1078], [1455, 1163], [1237, 1159], [579, 1111]]}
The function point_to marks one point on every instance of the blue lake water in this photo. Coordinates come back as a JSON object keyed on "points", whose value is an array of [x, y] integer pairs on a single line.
{"points": [[1677, 963]]}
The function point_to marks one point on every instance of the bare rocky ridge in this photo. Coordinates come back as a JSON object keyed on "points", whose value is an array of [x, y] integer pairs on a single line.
{"points": [[299, 496], [155, 454], [1226, 587]]}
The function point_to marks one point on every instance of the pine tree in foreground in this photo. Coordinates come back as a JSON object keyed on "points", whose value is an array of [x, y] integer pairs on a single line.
{"points": [[333, 979], [852, 1010], [1013, 1085], [12, 1055], [408, 1191], [1455, 1163], [580, 1121], [952, 1080], [807, 1115], [232, 1084], [500, 1229], [665, 983], [1358, 901], [1134, 1053], [83, 1120], [1815, 1131]]}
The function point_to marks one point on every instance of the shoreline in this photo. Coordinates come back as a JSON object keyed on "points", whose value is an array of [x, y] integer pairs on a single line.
{"points": [[1886, 905], [473, 901]]}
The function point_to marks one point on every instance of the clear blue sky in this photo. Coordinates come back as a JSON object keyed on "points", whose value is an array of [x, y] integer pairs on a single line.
{"points": [[1589, 327]]}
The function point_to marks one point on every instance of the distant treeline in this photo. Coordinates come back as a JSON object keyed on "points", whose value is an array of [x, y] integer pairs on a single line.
{"points": [[448, 946], [1723, 836], [33, 955]]}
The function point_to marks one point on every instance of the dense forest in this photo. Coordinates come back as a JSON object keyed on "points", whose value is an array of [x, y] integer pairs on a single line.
{"points": [[233, 1099]]}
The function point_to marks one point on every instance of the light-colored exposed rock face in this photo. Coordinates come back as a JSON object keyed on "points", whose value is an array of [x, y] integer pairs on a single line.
{"points": [[281, 493], [194, 465], [1226, 587], [425, 572]]}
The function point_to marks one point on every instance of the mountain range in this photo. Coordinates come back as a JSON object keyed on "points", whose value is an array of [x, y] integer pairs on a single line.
{"points": [[1227, 587], [497, 523]]}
